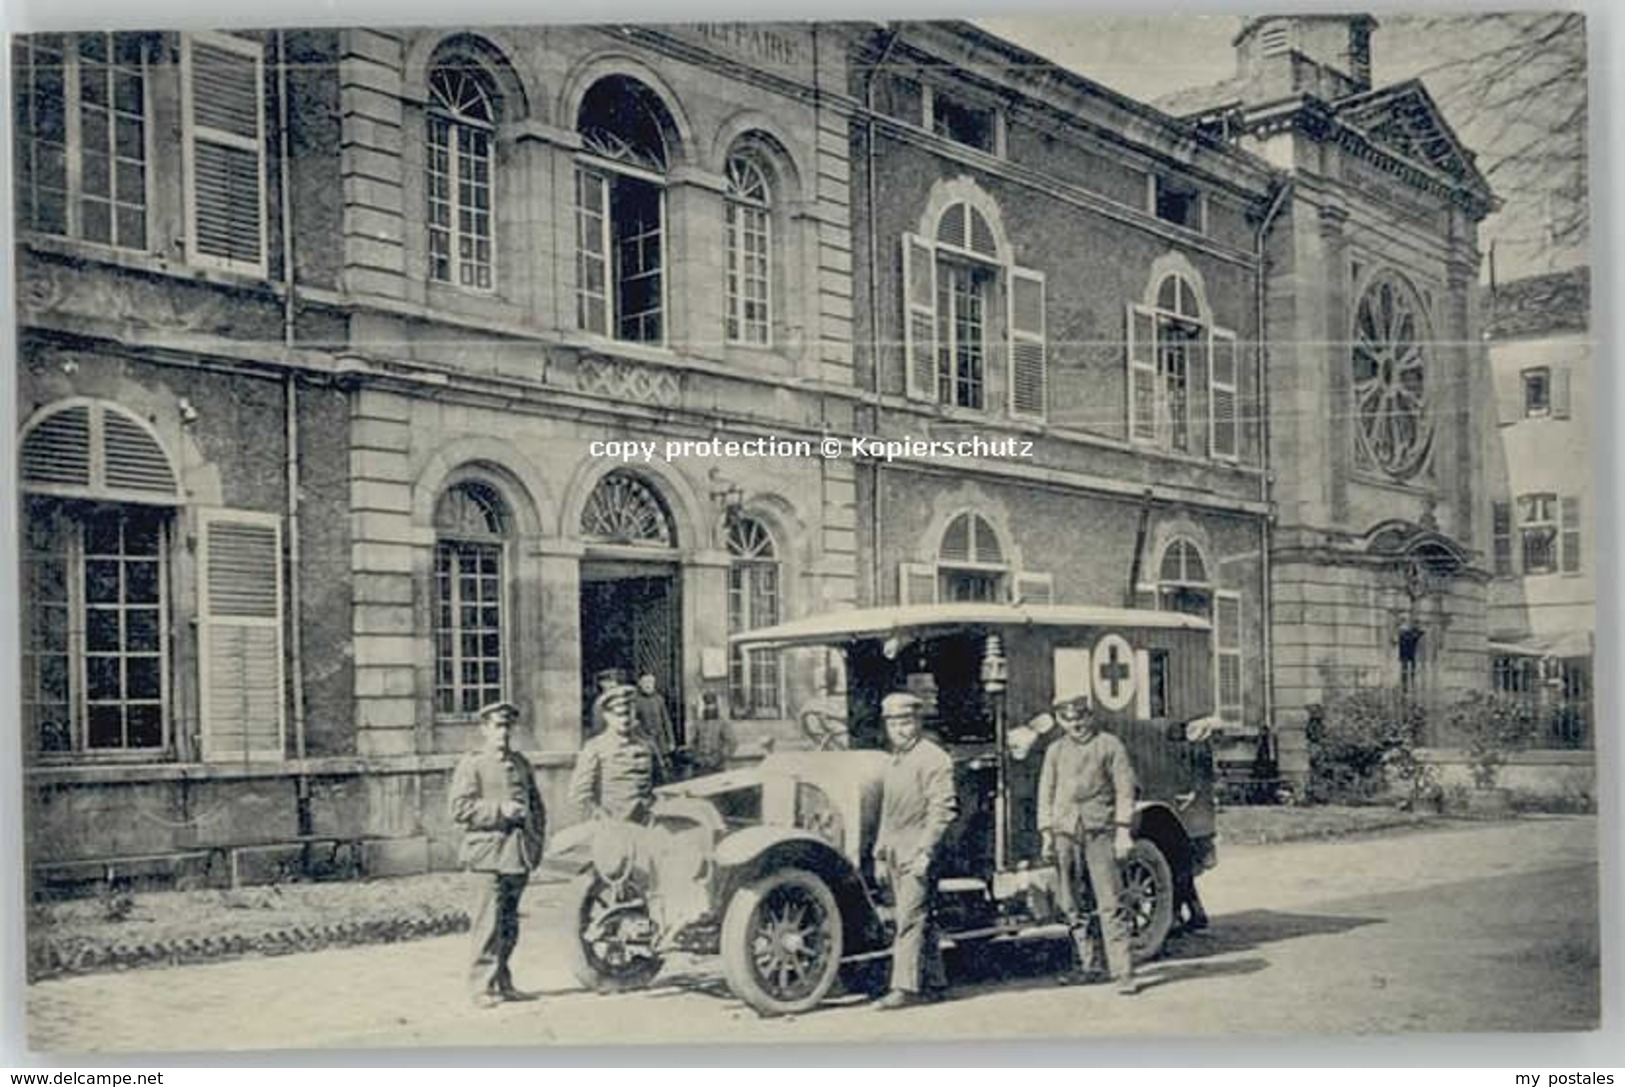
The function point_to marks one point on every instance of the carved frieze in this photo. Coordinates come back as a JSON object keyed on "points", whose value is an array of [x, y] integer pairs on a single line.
{"points": [[622, 379]]}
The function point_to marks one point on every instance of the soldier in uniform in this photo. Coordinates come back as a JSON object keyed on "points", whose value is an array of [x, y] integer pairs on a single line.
{"points": [[614, 776], [1086, 820], [493, 797], [917, 805]]}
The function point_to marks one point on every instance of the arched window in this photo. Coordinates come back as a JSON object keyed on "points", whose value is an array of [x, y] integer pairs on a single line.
{"points": [[1183, 376], [99, 498], [472, 525], [970, 562], [623, 509], [462, 125], [753, 601], [1182, 580], [1393, 431], [620, 212], [748, 222], [962, 297]]}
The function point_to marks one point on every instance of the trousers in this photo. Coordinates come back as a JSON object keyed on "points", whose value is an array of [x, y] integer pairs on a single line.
{"points": [[916, 954], [1088, 861], [494, 928]]}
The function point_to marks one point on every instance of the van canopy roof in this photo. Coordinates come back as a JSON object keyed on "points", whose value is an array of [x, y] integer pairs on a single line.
{"points": [[858, 623]]}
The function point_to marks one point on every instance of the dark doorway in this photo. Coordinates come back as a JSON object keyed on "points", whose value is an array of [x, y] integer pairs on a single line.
{"points": [[631, 620]]}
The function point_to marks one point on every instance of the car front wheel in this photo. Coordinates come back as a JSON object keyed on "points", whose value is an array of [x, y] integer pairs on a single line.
{"points": [[612, 948], [782, 942], [1148, 899]]}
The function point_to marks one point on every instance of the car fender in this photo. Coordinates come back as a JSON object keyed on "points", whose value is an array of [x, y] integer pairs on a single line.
{"points": [[1160, 823], [747, 854]]}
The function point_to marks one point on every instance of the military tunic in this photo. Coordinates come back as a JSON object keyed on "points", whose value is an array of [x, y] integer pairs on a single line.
{"points": [[917, 805], [613, 778]]}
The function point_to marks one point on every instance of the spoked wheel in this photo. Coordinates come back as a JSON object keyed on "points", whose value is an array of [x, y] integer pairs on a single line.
{"points": [[613, 946], [1148, 899], [782, 942]]}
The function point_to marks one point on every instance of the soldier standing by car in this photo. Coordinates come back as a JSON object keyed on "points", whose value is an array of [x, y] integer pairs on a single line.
{"points": [[614, 775], [1086, 819], [917, 805], [493, 797]]}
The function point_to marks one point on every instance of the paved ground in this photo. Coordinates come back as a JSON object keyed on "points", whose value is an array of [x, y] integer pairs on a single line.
{"points": [[1483, 928]]}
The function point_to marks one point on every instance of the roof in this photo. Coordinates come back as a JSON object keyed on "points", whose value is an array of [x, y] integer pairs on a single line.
{"points": [[841, 626], [1193, 101], [1405, 120], [1553, 302]]}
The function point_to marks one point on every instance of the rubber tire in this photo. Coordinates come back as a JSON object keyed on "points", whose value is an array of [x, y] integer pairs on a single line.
{"points": [[1146, 944], [737, 966], [587, 967]]}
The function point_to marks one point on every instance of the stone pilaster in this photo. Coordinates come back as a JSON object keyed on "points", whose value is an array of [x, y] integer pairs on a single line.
{"points": [[370, 165]]}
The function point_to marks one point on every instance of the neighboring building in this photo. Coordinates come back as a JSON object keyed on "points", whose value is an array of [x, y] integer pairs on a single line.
{"points": [[316, 331], [1543, 599], [1043, 260], [1378, 563]]}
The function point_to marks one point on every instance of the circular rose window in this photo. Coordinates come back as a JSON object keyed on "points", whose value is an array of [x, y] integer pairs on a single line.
{"points": [[1392, 432]]}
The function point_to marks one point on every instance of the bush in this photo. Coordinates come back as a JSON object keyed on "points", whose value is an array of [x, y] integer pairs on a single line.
{"points": [[1490, 726], [1355, 738]]}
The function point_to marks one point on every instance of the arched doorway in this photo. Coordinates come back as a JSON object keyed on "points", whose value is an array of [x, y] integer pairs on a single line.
{"points": [[631, 608]]}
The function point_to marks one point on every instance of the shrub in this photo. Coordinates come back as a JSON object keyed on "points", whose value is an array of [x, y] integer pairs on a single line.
{"points": [[1491, 726], [1354, 739]]}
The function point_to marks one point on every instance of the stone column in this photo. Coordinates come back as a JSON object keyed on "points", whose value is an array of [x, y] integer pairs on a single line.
{"points": [[1339, 382]]}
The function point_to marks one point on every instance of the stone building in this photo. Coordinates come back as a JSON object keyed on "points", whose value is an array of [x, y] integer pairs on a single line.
{"points": [[1041, 260], [1377, 560], [317, 332], [350, 360]]}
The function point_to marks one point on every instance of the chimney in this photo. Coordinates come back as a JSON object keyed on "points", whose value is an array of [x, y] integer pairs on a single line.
{"points": [[1328, 56]]}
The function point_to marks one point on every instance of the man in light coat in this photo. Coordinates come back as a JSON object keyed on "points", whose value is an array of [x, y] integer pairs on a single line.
{"points": [[494, 799], [1086, 824], [917, 805], [614, 776]]}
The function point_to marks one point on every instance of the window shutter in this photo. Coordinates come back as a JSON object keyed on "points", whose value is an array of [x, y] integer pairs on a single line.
{"points": [[1142, 374], [592, 252], [920, 317], [1560, 393], [1571, 535], [240, 635], [1034, 588], [1028, 350], [1227, 651], [57, 451], [916, 583], [1501, 533], [1223, 423], [223, 122]]}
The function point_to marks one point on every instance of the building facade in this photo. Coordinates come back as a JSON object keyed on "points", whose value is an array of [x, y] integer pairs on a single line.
{"points": [[368, 376], [1543, 502]]}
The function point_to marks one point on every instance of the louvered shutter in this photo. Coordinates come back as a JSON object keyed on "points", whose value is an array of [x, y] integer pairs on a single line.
{"points": [[1227, 650], [133, 460], [920, 316], [1028, 350], [1223, 397], [1561, 395], [240, 635], [57, 450], [916, 583], [1501, 537], [1032, 587], [223, 124], [1142, 374], [1571, 535]]}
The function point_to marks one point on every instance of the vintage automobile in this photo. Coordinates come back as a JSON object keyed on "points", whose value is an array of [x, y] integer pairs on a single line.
{"points": [[769, 866]]}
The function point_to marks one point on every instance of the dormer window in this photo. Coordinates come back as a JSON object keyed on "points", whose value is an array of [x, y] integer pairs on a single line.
{"points": [[963, 122], [1178, 202]]}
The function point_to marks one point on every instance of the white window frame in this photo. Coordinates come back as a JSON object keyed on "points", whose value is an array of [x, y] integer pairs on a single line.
{"points": [[454, 233], [1229, 711], [591, 168], [738, 210], [1540, 512], [73, 142], [747, 659], [191, 132]]}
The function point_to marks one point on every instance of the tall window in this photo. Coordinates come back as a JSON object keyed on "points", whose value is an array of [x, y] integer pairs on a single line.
{"points": [[620, 213], [970, 562], [462, 120], [95, 670], [1501, 537], [1537, 526], [1537, 392], [81, 126], [748, 223], [471, 523], [962, 291], [1393, 431], [1166, 343], [753, 601]]}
